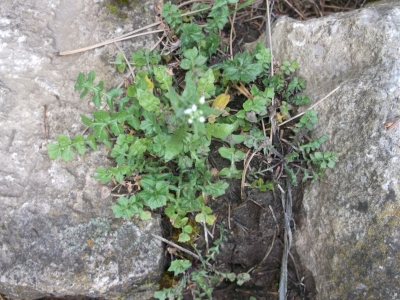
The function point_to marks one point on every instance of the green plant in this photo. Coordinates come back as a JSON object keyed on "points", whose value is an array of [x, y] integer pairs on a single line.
{"points": [[261, 185], [202, 278], [112, 8], [159, 131]]}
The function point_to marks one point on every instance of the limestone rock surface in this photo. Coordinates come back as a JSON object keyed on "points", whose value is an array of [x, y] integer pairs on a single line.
{"points": [[349, 238], [57, 231]]}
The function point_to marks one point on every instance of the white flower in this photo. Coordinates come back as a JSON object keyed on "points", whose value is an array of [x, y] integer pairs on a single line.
{"points": [[188, 111], [202, 119], [190, 121], [194, 107], [202, 100]]}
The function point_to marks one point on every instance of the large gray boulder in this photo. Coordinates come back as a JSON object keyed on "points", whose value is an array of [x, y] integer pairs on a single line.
{"points": [[349, 237], [57, 231]]}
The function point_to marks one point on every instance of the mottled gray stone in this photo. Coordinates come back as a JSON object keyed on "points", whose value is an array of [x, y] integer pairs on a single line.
{"points": [[51, 211], [349, 236]]}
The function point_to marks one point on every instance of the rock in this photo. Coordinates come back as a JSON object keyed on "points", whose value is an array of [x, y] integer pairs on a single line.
{"points": [[57, 231], [349, 235]]}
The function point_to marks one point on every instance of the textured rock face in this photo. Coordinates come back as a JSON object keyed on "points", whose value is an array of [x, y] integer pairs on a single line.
{"points": [[57, 232], [349, 237]]}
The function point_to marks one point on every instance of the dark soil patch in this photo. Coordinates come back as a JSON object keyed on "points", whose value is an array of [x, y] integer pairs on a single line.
{"points": [[255, 242]]}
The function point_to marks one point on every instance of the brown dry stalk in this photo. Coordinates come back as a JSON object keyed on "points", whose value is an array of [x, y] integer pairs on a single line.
{"points": [[126, 36], [393, 125], [312, 106], [126, 60]]}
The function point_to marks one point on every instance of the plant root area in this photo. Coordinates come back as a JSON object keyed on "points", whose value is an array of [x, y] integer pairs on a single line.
{"points": [[254, 243]]}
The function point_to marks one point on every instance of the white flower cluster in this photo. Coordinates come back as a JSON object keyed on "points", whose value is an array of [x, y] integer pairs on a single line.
{"points": [[194, 113]]}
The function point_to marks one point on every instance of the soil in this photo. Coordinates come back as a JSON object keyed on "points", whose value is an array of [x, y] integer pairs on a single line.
{"points": [[256, 229]]}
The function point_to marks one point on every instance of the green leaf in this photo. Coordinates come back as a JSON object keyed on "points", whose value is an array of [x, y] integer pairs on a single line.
{"points": [[211, 44], [144, 215], [307, 120], [85, 120], [53, 150], [62, 150], [183, 237], [63, 140], [258, 104], [91, 142], [171, 14], [145, 58], [148, 101], [179, 266], [139, 147], [218, 16], [205, 85], [120, 62], [115, 124], [259, 184], [131, 91], [291, 175], [300, 100], [67, 154], [284, 108], [220, 131], [190, 94], [231, 276], [116, 172], [150, 124], [215, 189], [191, 34], [231, 154], [291, 157], [205, 216], [159, 144], [254, 139], [218, 4], [86, 85], [174, 98], [78, 142], [154, 193], [119, 153], [175, 144], [101, 116], [289, 67], [133, 120], [193, 61], [163, 77], [110, 95], [241, 68], [103, 175], [313, 145], [231, 172], [126, 208], [138, 59], [100, 132], [263, 55], [242, 278]]}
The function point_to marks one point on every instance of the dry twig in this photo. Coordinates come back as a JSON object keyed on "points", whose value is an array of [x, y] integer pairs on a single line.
{"points": [[312, 106], [126, 60], [265, 256], [127, 36], [177, 246], [232, 30], [229, 216], [264, 143], [393, 125]]}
